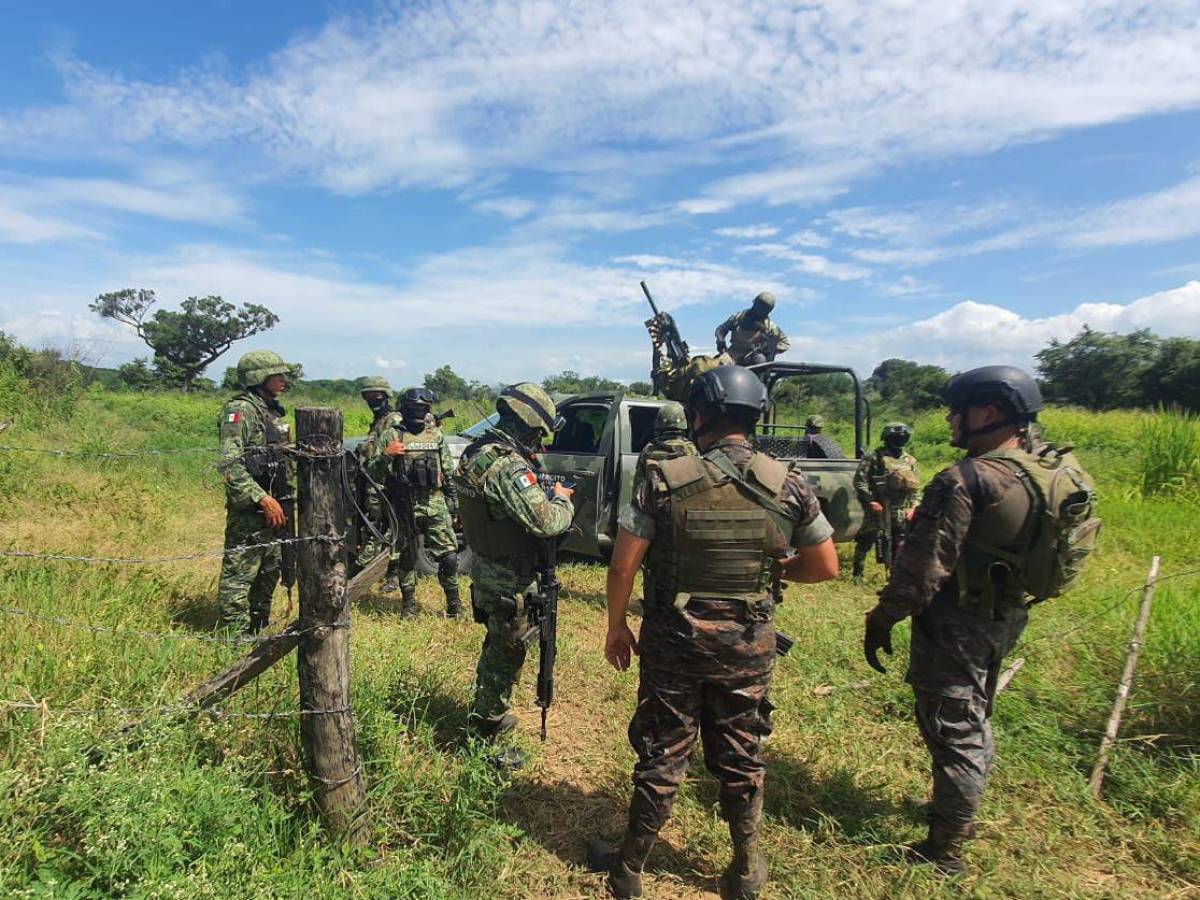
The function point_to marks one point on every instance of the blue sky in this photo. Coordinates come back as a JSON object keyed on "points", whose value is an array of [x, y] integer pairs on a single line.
{"points": [[484, 184]]}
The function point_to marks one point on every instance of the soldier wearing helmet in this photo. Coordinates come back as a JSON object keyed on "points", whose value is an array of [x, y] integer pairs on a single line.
{"points": [[669, 438], [377, 394], [962, 576], [817, 444], [886, 482], [711, 530], [752, 337], [413, 451], [507, 515], [257, 488]]}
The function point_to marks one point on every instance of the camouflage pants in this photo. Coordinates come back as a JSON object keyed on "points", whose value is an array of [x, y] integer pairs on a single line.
{"points": [[955, 659], [503, 654], [437, 528], [864, 541], [248, 577], [709, 679]]}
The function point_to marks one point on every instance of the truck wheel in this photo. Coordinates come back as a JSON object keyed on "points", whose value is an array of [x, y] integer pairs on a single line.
{"points": [[427, 565]]}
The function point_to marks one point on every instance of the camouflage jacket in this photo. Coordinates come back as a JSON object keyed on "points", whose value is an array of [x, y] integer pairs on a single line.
{"points": [[949, 512], [244, 424], [674, 382], [869, 479], [763, 337], [366, 450], [493, 471]]}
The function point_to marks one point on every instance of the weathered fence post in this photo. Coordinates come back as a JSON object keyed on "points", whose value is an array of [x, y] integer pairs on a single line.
{"points": [[323, 659]]}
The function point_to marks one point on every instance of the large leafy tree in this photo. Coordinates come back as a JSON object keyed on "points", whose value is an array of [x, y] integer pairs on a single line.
{"points": [[188, 340], [904, 384], [1099, 370]]}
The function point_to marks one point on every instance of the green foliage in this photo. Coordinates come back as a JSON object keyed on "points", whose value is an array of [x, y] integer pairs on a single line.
{"points": [[1170, 457], [446, 384], [641, 389], [186, 341], [1100, 370], [569, 382], [908, 386]]}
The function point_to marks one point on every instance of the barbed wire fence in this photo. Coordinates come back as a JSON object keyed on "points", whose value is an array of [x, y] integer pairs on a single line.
{"points": [[327, 507]]}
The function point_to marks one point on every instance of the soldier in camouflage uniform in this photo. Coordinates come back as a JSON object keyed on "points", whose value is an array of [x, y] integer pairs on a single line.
{"points": [[886, 482], [507, 516], [415, 454], [753, 337], [669, 438], [257, 489], [817, 444], [377, 394], [711, 530], [968, 611]]}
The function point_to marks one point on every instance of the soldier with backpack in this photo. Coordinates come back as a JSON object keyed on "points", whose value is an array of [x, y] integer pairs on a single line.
{"points": [[1007, 526]]}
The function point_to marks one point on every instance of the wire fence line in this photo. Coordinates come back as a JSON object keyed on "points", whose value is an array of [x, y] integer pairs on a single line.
{"points": [[175, 708], [183, 557], [287, 450]]}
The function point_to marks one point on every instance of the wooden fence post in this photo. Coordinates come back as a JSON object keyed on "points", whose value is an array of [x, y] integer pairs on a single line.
{"points": [[323, 657]]}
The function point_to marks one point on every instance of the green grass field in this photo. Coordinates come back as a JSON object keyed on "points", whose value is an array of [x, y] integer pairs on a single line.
{"points": [[220, 808]]}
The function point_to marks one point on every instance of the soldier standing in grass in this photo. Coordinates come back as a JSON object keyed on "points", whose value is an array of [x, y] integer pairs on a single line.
{"points": [[710, 528], [753, 337], [817, 444], [886, 483], [507, 517], [258, 486], [1008, 525], [376, 393], [416, 452]]}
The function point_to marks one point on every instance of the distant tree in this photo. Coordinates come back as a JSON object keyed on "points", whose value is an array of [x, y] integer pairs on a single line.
{"points": [[905, 384], [191, 338], [571, 382], [138, 375], [1174, 378], [445, 383], [1099, 370], [641, 388]]}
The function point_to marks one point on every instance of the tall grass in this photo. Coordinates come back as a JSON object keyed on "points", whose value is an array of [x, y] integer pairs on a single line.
{"points": [[1170, 459]]}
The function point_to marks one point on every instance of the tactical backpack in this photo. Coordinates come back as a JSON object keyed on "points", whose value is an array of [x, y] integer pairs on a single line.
{"points": [[1065, 527]]}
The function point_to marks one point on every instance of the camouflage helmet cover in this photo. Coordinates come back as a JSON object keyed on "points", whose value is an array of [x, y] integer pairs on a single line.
{"points": [[814, 423], [373, 383], [257, 366], [764, 303], [671, 417], [531, 405]]}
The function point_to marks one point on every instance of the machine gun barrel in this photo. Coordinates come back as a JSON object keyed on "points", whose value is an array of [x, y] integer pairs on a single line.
{"points": [[668, 332]]}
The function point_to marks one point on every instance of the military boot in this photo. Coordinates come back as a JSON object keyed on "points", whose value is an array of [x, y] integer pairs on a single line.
{"points": [[391, 582], [943, 847], [453, 602], [857, 572], [623, 864], [747, 872], [408, 603]]}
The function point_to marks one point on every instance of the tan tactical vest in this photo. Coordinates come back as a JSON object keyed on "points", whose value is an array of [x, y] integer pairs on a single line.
{"points": [[422, 459], [898, 478], [721, 529], [496, 538]]}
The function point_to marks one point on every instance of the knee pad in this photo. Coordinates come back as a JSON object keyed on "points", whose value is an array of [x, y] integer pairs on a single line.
{"points": [[448, 566]]}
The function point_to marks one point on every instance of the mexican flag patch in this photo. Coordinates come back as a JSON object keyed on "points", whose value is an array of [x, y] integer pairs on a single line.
{"points": [[525, 479], [233, 417]]}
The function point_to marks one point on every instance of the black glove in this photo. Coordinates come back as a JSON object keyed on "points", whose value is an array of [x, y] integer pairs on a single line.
{"points": [[878, 636]]}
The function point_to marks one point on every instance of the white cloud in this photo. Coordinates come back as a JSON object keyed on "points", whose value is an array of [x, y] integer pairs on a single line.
{"points": [[391, 365], [749, 232], [812, 97], [506, 207], [18, 226], [809, 263], [1166, 215], [808, 238]]}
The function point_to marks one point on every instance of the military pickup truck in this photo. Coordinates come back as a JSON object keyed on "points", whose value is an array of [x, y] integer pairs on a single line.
{"points": [[598, 446]]}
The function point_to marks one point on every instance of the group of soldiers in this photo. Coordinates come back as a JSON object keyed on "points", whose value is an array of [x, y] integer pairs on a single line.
{"points": [[714, 525]]}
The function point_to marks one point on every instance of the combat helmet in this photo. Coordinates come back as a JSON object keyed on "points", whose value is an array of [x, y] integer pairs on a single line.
{"points": [[415, 404], [895, 434], [257, 366], [531, 406], [671, 419], [763, 304], [729, 391], [1007, 386], [814, 424], [374, 383]]}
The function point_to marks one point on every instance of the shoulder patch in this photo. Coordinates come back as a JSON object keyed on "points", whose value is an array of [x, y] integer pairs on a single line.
{"points": [[524, 478], [234, 416]]}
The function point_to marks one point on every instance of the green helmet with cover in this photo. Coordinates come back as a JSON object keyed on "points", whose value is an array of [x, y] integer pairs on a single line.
{"points": [[671, 419], [530, 405], [814, 424], [373, 383], [257, 366], [763, 304]]}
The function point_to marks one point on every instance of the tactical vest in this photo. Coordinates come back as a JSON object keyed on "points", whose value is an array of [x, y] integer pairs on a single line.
{"points": [[668, 448], [497, 538], [897, 476], [421, 460], [267, 464], [721, 526], [1035, 542]]}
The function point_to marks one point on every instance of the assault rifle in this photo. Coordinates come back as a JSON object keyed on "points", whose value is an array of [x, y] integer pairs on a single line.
{"points": [[541, 610], [783, 643], [400, 495], [439, 418], [287, 556], [668, 333]]}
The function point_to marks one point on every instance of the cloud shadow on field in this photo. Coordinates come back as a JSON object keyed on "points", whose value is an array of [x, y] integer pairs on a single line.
{"points": [[564, 818]]}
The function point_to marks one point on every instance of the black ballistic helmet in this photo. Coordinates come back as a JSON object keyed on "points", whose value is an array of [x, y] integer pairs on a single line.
{"points": [[418, 396], [728, 389], [1005, 386], [895, 434]]}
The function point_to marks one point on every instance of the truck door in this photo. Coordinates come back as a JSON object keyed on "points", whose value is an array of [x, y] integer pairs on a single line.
{"points": [[583, 453]]}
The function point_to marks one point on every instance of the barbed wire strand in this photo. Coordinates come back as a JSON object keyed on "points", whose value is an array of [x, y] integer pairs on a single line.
{"points": [[287, 450], [46, 709], [80, 625]]}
